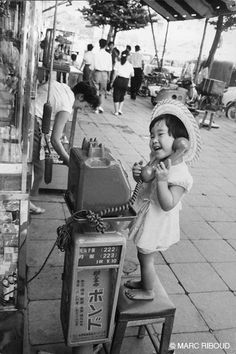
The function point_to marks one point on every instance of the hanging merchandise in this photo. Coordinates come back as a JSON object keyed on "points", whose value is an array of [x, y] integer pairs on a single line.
{"points": [[47, 112], [48, 164]]}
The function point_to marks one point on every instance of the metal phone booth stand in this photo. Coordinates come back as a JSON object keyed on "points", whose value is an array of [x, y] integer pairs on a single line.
{"points": [[94, 255]]}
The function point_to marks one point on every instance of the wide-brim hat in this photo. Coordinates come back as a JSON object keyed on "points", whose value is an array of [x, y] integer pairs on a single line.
{"points": [[178, 109]]}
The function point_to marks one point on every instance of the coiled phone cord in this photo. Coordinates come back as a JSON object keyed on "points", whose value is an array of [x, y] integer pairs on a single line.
{"points": [[95, 218]]}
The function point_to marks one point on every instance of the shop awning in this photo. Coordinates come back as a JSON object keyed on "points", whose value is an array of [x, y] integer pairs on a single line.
{"points": [[179, 10]]}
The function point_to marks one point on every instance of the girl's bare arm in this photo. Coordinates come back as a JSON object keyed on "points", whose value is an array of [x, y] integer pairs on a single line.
{"points": [[168, 196]]}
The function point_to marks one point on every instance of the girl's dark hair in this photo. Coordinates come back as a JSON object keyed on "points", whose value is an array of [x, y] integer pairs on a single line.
{"points": [[89, 92], [175, 126], [89, 47]]}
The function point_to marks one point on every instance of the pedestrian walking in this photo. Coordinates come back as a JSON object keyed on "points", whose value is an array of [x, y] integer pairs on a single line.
{"points": [[102, 69], [123, 70], [88, 64], [138, 64], [158, 204], [60, 60], [75, 73], [115, 57], [74, 62]]}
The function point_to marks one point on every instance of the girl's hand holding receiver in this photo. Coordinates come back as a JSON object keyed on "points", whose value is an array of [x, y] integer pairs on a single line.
{"points": [[162, 171]]}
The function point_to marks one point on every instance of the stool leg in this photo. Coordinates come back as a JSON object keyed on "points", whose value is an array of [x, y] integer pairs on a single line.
{"points": [[141, 332], [118, 337], [152, 337], [166, 334]]}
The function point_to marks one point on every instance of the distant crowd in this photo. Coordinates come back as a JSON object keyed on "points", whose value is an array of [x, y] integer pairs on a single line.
{"points": [[109, 70]]}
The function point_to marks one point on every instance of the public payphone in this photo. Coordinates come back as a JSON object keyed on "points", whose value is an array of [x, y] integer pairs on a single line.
{"points": [[93, 261], [96, 180], [92, 272]]}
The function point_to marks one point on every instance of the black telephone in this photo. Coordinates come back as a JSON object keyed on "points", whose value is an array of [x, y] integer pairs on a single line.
{"points": [[180, 147]]}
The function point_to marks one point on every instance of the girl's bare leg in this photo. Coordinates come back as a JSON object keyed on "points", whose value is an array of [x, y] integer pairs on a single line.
{"points": [[143, 290]]}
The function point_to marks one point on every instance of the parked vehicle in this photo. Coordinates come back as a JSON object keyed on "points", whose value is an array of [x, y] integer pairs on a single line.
{"points": [[155, 80], [174, 69], [229, 102], [183, 90], [230, 111]]}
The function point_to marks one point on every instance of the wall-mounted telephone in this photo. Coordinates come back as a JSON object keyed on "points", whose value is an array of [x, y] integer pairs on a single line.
{"points": [[95, 180], [180, 147]]}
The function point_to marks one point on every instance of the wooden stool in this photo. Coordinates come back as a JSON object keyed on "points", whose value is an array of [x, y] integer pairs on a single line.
{"points": [[143, 313]]}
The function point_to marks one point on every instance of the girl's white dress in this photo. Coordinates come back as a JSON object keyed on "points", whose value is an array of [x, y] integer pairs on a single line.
{"points": [[155, 229]]}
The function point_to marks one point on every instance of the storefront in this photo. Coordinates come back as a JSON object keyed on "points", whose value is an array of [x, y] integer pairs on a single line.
{"points": [[19, 44], [20, 35]]}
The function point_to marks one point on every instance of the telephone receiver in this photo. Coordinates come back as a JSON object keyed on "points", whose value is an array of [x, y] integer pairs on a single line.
{"points": [[180, 147]]}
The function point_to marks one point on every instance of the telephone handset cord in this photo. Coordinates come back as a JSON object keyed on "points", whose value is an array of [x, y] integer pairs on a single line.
{"points": [[95, 218]]}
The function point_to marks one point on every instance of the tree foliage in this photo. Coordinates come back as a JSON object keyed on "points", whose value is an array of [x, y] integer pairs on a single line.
{"points": [[222, 24], [120, 15], [229, 22]]}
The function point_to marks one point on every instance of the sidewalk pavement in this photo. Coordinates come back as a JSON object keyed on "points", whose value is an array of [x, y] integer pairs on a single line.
{"points": [[198, 273]]}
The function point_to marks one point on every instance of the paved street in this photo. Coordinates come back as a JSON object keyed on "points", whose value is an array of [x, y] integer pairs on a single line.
{"points": [[199, 273]]}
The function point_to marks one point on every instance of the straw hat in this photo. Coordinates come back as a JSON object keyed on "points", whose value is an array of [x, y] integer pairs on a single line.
{"points": [[178, 109]]}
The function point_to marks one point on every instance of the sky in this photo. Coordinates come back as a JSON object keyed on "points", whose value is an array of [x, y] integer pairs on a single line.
{"points": [[183, 41]]}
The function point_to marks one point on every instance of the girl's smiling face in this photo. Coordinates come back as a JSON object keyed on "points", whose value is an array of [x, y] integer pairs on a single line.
{"points": [[160, 141]]}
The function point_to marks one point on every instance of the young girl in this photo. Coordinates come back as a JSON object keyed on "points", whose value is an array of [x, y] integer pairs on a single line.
{"points": [[156, 227]]}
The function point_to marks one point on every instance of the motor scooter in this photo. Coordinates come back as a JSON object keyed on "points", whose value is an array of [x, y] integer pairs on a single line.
{"points": [[183, 90]]}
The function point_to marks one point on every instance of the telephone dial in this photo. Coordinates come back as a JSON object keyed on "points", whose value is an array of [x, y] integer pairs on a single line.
{"points": [[93, 165]]}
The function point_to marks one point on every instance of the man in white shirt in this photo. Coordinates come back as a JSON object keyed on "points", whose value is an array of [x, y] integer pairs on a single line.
{"points": [[138, 64], [102, 69]]}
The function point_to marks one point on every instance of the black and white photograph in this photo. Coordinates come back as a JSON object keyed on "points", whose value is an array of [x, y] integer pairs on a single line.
{"points": [[118, 177]]}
